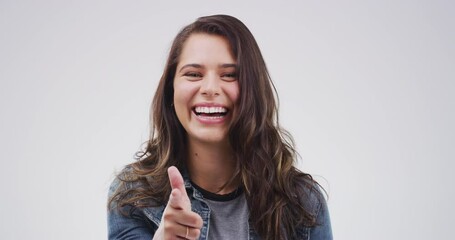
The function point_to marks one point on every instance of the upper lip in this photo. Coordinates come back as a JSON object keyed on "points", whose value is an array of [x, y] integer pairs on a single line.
{"points": [[209, 105]]}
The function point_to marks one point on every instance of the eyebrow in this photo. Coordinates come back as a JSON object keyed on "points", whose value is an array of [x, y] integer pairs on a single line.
{"points": [[195, 65], [228, 65]]}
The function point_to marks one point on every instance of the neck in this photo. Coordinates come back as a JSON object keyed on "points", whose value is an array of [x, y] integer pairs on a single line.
{"points": [[211, 166]]}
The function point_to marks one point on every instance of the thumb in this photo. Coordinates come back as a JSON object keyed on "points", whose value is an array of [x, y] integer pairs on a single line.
{"points": [[179, 197]]}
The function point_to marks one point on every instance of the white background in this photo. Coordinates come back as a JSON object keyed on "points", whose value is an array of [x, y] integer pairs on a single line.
{"points": [[366, 88]]}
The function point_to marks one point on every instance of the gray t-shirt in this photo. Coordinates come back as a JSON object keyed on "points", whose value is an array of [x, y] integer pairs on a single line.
{"points": [[228, 215]]}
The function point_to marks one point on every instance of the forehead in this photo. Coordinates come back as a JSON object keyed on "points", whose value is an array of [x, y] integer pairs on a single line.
{"points": [[205, 48]]}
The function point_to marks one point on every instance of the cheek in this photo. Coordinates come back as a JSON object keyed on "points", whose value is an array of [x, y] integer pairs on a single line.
{"points": [[233, 92], [183, 92], [183, 95]]}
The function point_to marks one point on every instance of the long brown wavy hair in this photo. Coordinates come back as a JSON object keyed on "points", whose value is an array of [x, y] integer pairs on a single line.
{"points": [[264, 152]]}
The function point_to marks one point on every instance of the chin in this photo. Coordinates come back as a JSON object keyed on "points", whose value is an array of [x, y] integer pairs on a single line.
{"points": [[212, 140], [210, 137]]}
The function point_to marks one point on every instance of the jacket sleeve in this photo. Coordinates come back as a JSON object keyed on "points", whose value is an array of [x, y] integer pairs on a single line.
{"points": [[135, 225]]}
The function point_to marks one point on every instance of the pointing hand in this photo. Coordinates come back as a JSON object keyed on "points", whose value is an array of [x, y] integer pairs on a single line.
{"points": [[178, 220]]}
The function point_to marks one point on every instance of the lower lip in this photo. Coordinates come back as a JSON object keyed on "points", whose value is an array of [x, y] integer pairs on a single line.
{"points": [[210, 120]]}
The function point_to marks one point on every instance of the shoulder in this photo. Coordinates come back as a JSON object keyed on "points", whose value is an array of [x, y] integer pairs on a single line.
{"points": [[311, 196], [313, 199], [309, 191], [124, 183], [119, 183]]}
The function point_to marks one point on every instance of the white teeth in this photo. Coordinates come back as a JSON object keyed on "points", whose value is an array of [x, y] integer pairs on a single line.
{"points": [[210, 109], [211, 117]]}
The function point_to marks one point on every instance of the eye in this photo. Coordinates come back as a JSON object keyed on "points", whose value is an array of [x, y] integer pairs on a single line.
{"points": [[232, 76], [193, 75]]}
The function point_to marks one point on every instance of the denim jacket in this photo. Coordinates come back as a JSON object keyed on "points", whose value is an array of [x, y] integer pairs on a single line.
{"points": [[143, 222]]}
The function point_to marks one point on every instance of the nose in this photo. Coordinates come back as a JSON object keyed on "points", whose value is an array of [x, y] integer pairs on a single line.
{"points": [[210, 85]]}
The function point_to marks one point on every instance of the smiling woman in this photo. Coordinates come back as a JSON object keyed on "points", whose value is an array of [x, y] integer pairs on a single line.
{"points": [[217, 165]]}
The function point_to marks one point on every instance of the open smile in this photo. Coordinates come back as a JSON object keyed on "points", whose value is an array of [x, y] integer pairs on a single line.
{"points": [[210, 114]]}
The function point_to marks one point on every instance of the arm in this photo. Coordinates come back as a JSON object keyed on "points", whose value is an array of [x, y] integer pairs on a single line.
{"points": [[135, 225]]}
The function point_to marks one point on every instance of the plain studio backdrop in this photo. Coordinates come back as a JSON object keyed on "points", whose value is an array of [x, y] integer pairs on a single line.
{"points": [[366, 88]]}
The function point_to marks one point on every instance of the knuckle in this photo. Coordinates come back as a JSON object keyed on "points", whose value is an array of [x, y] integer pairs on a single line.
{"points": [[167, 216], [197, 221], [168, 227], [197, 232]]}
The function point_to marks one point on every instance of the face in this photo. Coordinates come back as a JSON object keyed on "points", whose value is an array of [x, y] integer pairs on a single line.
{"points": [[206, 88]]}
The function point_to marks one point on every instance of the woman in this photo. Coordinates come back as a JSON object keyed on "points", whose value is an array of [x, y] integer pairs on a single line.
{"points": [[217, 165]]}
